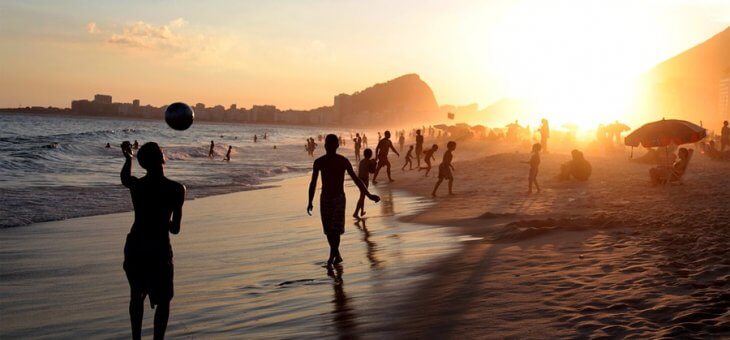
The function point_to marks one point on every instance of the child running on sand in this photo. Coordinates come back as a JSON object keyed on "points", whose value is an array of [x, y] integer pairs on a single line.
{"points": [[332, 199], [364, 169], [409, 159], [427, 157], [534, 164], [446, 168]]}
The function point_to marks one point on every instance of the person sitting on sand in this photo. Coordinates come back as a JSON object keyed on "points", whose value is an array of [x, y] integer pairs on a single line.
{"points": [[228, 154], [210, 151], [446, 168], [157, 203], [427, 157], [332, 199], [534, 165], [384, 146], [364, 169], [409, 159], [578, 168], [663, 174]]}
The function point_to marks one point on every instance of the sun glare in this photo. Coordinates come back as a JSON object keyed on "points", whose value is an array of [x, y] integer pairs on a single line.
{"points": [[573, 65]]}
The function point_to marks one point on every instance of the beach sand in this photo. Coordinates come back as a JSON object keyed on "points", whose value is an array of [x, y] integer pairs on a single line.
{"points": [[248, 264], [611, 257]]}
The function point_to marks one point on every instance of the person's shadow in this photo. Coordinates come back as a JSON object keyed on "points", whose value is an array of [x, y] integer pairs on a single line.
{"points": [[372, 248], [344, 316]]}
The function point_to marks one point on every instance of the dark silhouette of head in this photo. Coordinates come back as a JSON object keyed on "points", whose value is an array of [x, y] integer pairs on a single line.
{"points": [[683, 153], [435, 147], [577, 155], [411, 147], [451, 145], [357, 135], [368, 153], [536, 147], [331, 143], [387, 134], [418, 132], [724, 123], [150, 157]]}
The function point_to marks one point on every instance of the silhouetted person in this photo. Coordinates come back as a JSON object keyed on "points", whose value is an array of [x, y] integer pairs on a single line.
{"points": [[255, 138], [427, 157], [384, 146], [332, 199], [534, 165], [446, 169], [724, 136], [544, 135], [364, 169], [211, 152], [228, 154], [401, 141], [265, 135], [364, 140], [419, 148], [409, 159], [663, 174], [135, 145], [148, 264], [358, 144], [108, 146], [578, 168]]}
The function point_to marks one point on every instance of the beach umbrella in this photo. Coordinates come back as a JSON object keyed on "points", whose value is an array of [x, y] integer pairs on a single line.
{"points": [[463, 125], [479, 128], [441, 126], [665, 132]]}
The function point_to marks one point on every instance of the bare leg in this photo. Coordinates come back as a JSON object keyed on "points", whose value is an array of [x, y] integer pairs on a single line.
{"points": [[360, 206], [136, 312], [387, 170], [451, 185], [537, 185], [162, 314], [377, 170], [334, 241], [436, 187]]}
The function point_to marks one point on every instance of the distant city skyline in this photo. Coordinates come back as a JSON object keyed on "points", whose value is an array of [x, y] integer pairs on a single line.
{"points": [[298, 54]]}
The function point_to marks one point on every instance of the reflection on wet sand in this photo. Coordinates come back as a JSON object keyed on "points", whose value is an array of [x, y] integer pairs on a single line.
{"points": [[344, 315], [387, 206], [372, 248]]}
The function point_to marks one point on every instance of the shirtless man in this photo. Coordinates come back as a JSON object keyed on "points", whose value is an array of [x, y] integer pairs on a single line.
{"points": [[446, 169], [384, 146], [358, 145], [332, 199], [211, 152], [148, 264], [419, 148]]}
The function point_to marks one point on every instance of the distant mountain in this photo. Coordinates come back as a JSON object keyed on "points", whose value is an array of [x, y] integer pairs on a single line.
{"points": [[403, 99], [688, 85]]}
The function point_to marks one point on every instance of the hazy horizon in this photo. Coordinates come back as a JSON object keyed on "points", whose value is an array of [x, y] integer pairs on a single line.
{"points": [[300, 54]]}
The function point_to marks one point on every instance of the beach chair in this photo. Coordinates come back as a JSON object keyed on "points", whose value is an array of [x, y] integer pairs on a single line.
{"points": [[676, 177]]}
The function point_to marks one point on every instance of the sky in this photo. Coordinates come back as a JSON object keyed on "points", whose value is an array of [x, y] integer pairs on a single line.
{"points": [[299, 54]]}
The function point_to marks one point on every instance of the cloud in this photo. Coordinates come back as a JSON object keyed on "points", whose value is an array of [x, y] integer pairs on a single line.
{"points": [[91, 28]]}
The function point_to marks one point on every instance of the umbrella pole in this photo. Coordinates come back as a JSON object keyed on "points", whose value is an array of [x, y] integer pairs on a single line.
{"points": [[632, 152]]}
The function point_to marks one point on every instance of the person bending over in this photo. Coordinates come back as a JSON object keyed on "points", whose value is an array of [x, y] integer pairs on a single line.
{"points": [[427, 157]]}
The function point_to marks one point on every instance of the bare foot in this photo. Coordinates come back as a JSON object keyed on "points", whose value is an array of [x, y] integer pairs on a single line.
{"points": [[375, 182], [355, 215], [362, 213], [338, 260], [433, 194], [391, 180]]}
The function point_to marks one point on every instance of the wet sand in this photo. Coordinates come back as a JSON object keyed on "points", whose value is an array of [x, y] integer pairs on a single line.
{"points": [[247, 264], [611, 257]]}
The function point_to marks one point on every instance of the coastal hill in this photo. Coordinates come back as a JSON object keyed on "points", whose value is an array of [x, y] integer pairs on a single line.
{"points": [[404, 99], [689, 85]]}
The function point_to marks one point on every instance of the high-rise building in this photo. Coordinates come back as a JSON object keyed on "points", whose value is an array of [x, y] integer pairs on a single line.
{"points": [[102, 99], [724, 104]]}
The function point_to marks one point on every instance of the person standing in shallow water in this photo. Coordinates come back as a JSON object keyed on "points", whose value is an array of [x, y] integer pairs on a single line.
{"points": [[228, 154], [364, 169], [384, 146], [211, 152], [358, 145], [419, 148], [148, 265], [446, 169], [332, 199]]}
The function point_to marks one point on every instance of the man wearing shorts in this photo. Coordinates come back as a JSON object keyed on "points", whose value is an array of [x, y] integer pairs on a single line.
{"points": [[446, 168], [148, 264], [332, 199], [384, 146]]}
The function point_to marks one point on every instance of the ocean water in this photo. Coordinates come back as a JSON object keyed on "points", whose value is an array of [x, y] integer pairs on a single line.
{"points": [[54, 168]]}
